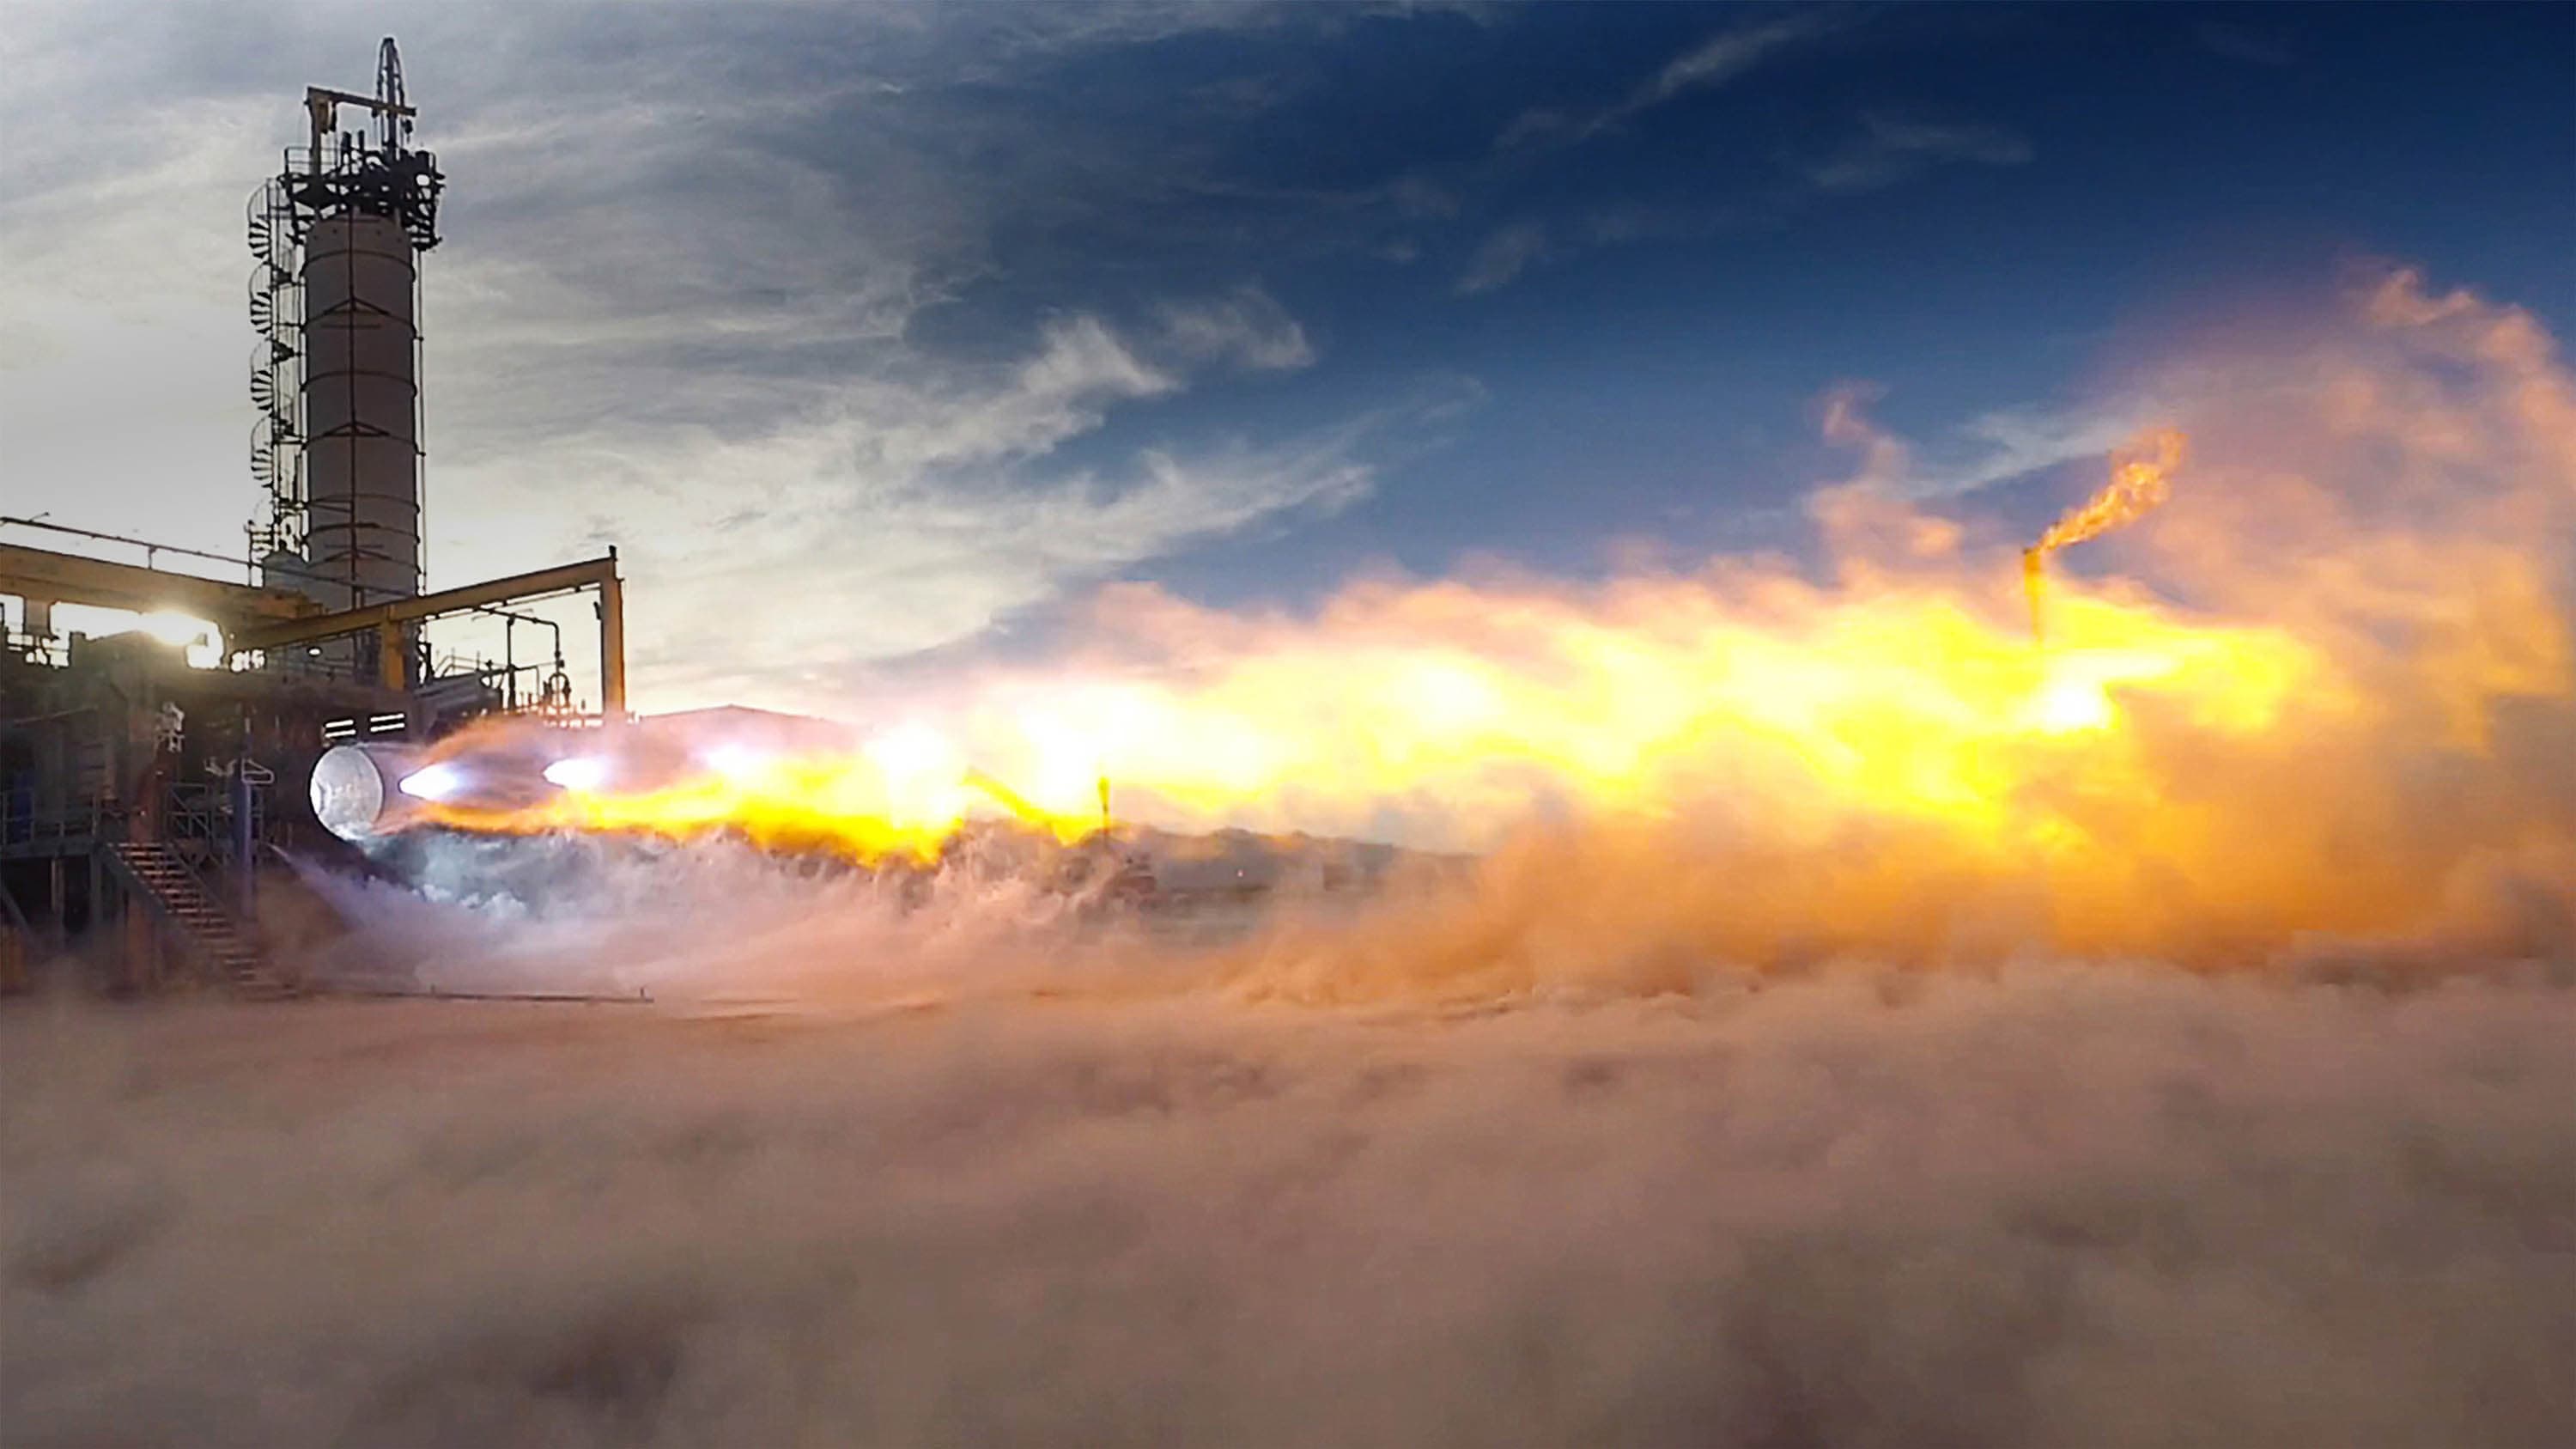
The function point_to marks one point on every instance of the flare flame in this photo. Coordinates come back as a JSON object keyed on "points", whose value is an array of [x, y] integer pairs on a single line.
{"points": [[2141, 478]]}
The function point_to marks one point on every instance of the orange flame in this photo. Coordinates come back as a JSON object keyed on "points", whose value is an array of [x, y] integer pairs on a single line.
{"points": [[2350, 731], [2141, 478], [903, 796], [1477, 707]]}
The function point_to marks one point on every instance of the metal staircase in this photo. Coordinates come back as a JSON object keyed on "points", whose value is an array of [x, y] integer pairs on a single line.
{"points": [[161, 879], [273, 228]]}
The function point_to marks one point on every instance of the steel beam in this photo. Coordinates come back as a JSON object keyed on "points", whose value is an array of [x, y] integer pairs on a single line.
{"points": [[599, 573], [386, 619], [41, 574]]}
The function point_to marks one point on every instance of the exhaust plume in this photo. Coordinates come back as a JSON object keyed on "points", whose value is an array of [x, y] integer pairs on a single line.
{"points": [[2329, 705], [1739, 1175]]}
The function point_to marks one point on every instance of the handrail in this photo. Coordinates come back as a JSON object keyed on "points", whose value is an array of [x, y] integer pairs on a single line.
{"points": [[137, 885], [205, 812], [55, 825]]}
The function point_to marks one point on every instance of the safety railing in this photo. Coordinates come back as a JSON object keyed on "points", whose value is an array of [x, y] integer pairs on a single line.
{"points": [[23, 828]]}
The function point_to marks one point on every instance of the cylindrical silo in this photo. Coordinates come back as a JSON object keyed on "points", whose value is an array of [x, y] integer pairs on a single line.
{"points": [[361, 409]]}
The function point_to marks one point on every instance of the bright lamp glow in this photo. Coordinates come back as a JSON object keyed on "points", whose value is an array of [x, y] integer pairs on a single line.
{"points": [[172, 627], [200, 642], [433, 782], [582, 773]]}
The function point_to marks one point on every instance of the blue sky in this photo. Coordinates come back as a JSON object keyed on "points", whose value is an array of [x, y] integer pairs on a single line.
{"points": [[877, 332]]}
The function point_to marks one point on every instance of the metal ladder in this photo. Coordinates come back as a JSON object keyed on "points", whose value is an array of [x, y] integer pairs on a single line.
{"points": [[156, 873]]}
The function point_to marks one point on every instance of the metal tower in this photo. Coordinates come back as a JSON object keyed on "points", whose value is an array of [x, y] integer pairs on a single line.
{"points": [[335, 297]]}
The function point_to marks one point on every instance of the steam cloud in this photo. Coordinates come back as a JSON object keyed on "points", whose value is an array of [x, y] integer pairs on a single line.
{"points": [[2047, 1206], [1734, 1121]]}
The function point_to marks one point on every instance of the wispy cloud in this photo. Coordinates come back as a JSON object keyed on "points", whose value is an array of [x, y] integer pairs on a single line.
{"points": [[2244, 44], [1886, 151], [1991, 449], [1249, 328], [1889, 149], [1503, 257], [1713, 62], [681, 309], [905, 513]]}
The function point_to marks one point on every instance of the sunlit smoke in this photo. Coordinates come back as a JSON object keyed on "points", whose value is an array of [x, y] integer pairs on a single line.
{"points": [[2331, 698], [736, 761]]}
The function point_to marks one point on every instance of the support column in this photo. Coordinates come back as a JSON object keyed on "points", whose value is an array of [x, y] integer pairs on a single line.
{"points": [[612, 647], [391, 658], [39, 625], [142, 945], [245, 841]]}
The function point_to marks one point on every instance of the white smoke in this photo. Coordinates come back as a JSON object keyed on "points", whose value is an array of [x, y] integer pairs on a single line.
{"points": [[718, 921]]}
